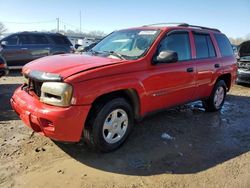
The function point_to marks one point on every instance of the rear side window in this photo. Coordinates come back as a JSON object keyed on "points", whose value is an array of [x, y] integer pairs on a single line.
{"points": [[224, 45], [61, 40], [204, 46], [178, 42], [38, 39]]}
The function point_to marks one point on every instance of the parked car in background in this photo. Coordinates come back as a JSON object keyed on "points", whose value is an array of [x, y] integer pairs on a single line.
{"points": [[3, 67], [129, 74], [86, 48], [21, 48], [235, 50], [244, 63]]}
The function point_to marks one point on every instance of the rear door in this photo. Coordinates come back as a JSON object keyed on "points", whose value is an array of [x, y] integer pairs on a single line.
{"points": [[170, 84], [207, 64]]}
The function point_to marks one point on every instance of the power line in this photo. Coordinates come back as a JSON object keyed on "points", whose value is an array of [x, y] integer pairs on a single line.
{"points": [[38, 22], [57, 21]]}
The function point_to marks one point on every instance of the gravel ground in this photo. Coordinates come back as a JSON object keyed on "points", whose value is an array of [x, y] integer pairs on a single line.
{"points": [[180, 147]]}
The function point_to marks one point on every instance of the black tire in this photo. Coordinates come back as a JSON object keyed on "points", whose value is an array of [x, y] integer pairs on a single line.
{"points": [[210, 104], [94, 134]]}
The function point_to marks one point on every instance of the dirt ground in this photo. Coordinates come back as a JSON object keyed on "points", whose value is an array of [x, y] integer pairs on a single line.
{"points": [[198, 149]]}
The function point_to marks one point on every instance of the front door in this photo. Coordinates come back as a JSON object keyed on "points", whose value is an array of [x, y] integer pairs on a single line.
{"points": [[13, 52], [170, 84]]}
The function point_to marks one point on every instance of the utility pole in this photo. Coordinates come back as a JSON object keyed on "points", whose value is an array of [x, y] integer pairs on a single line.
{"points": [[80, 21], [57, 20]]}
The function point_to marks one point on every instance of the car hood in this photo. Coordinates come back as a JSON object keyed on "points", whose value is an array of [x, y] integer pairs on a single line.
{"points": [[68, 64], [244, 49]]}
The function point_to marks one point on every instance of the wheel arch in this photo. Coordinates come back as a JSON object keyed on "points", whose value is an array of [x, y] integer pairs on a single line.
{"points": [[227, 78], [130, 95]]}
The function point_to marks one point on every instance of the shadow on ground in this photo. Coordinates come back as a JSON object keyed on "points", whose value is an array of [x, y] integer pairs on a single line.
{"points": [[200, 141], [6, 112], [6, 91]]}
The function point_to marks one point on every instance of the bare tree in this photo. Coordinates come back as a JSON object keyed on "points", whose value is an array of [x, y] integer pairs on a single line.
{"points": [[2, 28], [96, 33], [248, 36], [236, 41]]}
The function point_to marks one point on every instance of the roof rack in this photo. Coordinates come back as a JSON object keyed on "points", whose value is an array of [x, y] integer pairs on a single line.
{"points": [[182, 25], [165, 24]]}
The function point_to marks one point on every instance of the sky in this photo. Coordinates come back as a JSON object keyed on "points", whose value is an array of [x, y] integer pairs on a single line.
{"points": [[230, 16]]}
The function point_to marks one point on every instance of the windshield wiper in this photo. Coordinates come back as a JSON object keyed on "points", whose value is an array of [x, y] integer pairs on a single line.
{"points": [[116, 54], [94, 52]]}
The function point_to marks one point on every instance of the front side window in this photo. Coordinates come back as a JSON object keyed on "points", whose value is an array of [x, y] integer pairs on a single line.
{"points": [[130, 44], [178, 42], [12, 40], [204, 46], [224, 45]]}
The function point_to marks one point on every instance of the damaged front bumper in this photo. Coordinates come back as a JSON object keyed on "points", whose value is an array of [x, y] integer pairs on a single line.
{"points": [[57, 123]]}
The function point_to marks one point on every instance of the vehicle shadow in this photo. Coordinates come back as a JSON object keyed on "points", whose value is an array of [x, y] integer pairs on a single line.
{"points": [[15, 73], [6, 91], [243, 84], [198, 141]]}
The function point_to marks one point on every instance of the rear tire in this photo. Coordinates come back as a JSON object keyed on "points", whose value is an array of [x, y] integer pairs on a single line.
{"points": [[109, 125], [217, 97]]}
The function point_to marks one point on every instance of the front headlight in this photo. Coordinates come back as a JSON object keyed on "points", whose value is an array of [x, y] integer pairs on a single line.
{"points": [[56, 93]]}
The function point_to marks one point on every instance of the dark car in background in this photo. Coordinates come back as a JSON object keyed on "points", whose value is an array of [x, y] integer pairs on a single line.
{"points": [[3, 67], [20, 48], [244, 63]]}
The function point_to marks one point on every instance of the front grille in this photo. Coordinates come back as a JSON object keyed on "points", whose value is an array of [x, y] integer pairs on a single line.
{"points": [[35, 79], [244, 65], [35, 86]]}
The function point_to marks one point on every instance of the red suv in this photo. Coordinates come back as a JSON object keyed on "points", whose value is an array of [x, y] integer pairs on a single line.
{"points": [[129, 74]]}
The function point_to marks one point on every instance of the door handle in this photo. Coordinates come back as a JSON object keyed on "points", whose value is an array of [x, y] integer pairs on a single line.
{"points": [[24, 48], [216, 65], [190, 69]]}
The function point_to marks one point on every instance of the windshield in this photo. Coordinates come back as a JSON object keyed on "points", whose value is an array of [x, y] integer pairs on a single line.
{"points": [[127, 44]]}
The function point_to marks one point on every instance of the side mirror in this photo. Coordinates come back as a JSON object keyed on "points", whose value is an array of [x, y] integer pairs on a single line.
{"points": [[4, 43], [166, 57]]}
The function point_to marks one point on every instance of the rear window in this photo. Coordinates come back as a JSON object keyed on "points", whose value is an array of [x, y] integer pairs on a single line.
{"points": [[61, 40], [224, 45], [204, 46]]}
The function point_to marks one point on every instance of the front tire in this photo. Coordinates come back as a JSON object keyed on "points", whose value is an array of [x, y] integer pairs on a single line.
{"points": [[110, 125], [217, 97]]}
